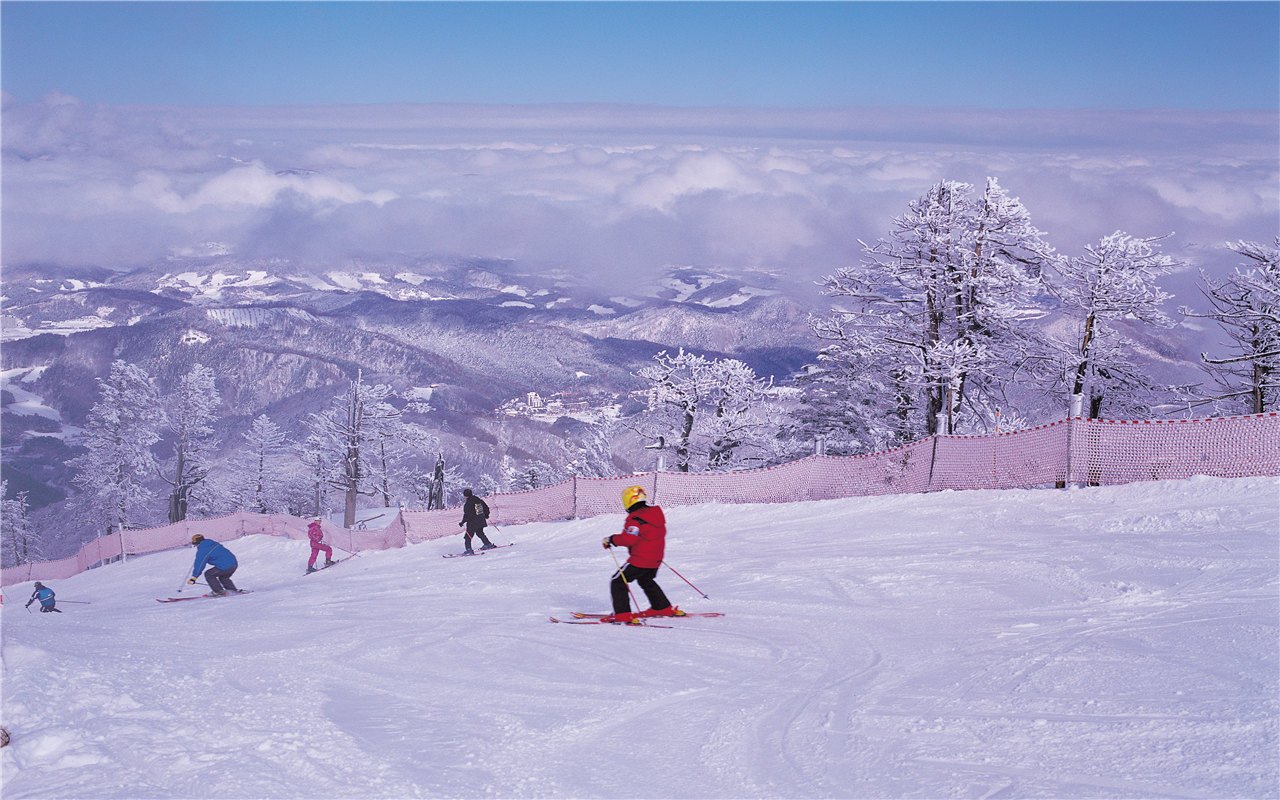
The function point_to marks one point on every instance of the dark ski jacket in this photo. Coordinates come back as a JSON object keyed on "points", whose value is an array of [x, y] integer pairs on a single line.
{"points": [[644, 534], [213, 553], [475, 512]]}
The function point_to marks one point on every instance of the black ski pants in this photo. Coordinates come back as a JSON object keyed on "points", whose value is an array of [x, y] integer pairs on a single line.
{"points": [[219, 580], [476, 530], [644, 576]]}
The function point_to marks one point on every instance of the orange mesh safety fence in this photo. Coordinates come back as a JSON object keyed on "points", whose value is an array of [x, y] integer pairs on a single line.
{"points": [[1093, 452]]}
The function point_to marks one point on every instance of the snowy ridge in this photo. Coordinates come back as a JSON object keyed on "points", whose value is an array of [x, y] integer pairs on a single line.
{"points": [[1118, 641], [251, 317]]}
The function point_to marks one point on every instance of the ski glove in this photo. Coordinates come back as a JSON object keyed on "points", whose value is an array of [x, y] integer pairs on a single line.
{"points": [[607, 542], [191, 581]]}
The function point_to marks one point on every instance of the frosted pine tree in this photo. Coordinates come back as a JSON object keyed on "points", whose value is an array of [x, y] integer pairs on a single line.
{"points": [[1247, 307], [191, 410], [118, 435], [19, 540], [261, 468], [311, 497], [1112, 281]]}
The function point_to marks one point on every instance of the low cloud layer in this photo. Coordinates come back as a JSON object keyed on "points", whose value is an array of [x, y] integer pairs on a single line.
{"points": [[611, 191]]}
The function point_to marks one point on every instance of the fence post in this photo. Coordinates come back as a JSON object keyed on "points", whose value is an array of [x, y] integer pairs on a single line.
{"points": [[933, 458], [574, 515], [1070, 446]]}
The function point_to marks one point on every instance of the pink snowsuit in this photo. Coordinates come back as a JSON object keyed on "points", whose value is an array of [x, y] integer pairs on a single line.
{"points": [[317, 544]]}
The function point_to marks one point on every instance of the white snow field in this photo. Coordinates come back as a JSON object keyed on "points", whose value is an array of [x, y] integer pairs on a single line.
{"points": [[1102, 642]]}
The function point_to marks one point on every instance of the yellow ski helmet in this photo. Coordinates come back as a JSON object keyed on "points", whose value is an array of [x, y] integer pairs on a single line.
{"points": [[632, 495]]}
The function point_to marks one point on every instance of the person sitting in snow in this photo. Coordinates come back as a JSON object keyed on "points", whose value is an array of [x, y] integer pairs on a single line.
{"points": [[475, 513], [45, 595], [316, 534], [644, 534], [222, 565]]}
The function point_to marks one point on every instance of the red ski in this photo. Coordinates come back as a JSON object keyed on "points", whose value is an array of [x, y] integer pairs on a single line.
{"points": [[643, 624], [585, 615]]}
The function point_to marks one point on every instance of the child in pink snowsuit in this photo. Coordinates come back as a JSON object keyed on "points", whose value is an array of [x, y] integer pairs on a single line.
{"points": [[317, 544]]}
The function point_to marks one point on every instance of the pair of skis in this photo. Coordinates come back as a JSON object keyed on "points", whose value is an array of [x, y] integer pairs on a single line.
{"points": [[584, 618], [334, 564], [479, 552], [209, 596]]}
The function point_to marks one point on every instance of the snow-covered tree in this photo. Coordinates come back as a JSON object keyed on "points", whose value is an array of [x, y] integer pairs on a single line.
{"points": [[1247, 307], [1111, 281], [533, 474], [310, 495], [118, 435], [928, 328], [432, 487], [708, 413], [191, 410], [593, 458], [351, 434], [19, 540], [261, 468]]}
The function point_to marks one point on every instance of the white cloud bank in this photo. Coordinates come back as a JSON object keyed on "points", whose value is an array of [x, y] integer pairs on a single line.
{"points": [[608, 190]]}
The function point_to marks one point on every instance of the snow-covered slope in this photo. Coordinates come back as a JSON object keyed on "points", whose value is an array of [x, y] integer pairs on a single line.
{"points": [[1111, 642]]}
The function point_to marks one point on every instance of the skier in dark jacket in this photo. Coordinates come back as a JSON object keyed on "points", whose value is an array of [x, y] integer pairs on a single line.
{"points": [[45, 595], [222, 565], [645, 536], [475, 513]]}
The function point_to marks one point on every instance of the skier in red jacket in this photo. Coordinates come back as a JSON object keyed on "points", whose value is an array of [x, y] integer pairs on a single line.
{"points": [[645, 536]]}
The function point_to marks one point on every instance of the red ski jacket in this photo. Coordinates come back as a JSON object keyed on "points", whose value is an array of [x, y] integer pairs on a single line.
{"points": [[645, 535]]}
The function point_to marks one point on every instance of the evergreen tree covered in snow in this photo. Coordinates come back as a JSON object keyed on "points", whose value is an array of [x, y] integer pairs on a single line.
{"points": [[19, 541], [927, 330], [1247, 307], [1111, 281], [118, 435], [261, 468], [594, 455], [191, 410], [311, 497]]}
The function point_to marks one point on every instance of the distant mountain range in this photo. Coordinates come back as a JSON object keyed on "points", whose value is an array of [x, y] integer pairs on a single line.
{"points": [[283, 340]]}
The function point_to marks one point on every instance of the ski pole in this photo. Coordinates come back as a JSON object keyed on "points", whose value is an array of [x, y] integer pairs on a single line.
{"points": [[625, 582], [499, 530], [82, 602], [686, 580]]}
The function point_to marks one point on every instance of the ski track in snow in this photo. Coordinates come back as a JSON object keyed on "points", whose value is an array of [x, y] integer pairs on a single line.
{"points": [[1110, 642]]}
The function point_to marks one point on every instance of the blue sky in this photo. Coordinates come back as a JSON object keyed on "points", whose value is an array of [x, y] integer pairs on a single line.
{"points": [[977, 55], [619, 138]]}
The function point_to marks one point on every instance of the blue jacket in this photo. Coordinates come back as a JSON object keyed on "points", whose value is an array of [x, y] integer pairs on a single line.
{"points": [[213, 553], [44, 594]]}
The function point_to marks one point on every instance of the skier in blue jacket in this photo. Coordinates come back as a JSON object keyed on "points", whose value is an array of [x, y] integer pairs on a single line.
{"points": [[45, 595], [222, 565]]}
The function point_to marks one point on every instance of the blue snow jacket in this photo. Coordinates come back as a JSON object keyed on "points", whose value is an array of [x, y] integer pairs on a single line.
{"points": [[45, 595], [213, 553]]}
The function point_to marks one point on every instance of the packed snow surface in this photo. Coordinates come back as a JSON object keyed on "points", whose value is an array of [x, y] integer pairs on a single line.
{"points": [[1104, 642]]}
